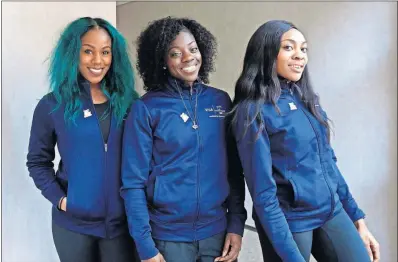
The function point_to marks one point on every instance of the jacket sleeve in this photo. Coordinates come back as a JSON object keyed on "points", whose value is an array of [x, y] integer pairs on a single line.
{"points": [[137, 154], [237, 214], [349, 203], [41, 153], [255, 154]]}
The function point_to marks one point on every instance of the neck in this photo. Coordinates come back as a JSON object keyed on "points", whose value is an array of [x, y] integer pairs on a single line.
{"points": [[97, 95], [190, 84], [95, 86]]}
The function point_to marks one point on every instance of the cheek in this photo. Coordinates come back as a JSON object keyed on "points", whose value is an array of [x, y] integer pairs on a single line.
{"points": [[172, 65], [84, 59], [108, 60], [282, 58], [199, 56]]}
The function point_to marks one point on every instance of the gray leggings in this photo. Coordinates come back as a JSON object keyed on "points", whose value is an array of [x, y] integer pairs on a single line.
{"points": [[75, 247], [336, 241]]}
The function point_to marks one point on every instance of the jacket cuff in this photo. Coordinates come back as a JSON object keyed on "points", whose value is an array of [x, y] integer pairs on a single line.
{"points": [[356, 215], [235, 225], [146, 248]]}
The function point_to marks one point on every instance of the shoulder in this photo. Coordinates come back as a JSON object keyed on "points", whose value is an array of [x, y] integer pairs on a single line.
{"points": [[216, 93], [47, 103]]}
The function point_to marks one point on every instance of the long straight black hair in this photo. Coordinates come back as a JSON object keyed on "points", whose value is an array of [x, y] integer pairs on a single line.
{"points": [[259, 83]]}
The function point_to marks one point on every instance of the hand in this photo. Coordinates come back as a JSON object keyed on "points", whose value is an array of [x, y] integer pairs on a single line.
{"points": [[371, 244], [62, 205], [157, 258], [232, 245]]}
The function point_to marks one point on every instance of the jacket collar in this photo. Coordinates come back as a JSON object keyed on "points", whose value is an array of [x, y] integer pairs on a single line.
{"points": [[177, 86], [289, 86], [84, 86]]}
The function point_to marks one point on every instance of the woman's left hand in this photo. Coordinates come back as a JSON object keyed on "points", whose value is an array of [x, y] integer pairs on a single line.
{"points": [[232, 246], [371, 244]]}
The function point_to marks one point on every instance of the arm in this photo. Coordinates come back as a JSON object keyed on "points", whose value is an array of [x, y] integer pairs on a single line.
{"points": [[41, 153], [237, 214], [137, 153], [255, 154], [349, 203]]}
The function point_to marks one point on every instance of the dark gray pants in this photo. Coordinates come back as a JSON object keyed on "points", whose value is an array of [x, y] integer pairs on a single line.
{"points": [[205, 250], [336, 241], [75, 247]]}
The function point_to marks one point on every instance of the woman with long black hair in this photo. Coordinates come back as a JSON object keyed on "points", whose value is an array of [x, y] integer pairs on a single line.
{"points": [[302, 204]]}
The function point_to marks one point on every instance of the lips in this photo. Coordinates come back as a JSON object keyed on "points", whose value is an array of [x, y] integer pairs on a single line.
{"points": [[189, 69], [297, 67], [96, 71]]}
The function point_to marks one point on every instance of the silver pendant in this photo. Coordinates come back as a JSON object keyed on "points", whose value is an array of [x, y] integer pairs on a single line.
{"points": [[184, 117], [195, 126]]}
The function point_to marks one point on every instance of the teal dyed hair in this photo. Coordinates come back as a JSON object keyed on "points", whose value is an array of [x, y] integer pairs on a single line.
{"points": [[118, 83]]}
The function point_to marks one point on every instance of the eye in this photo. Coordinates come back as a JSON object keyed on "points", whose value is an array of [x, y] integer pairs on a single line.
{"points": [[106, 52], [175, 54], [288, 48], [194, 50], [304, 49], [87, 51]]}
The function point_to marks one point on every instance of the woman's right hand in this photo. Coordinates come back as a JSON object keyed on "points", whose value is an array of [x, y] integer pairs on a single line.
{"points": [[157, 258], [62, 205]]}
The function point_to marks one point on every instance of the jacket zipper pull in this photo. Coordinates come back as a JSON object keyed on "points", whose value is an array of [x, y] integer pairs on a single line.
{"points": [[106, 147]]}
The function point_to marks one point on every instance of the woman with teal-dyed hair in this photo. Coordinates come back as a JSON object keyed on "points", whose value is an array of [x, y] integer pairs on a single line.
{"points": [[91, 89]]}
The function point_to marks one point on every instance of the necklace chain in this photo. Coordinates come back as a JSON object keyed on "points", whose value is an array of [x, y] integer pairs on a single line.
{"points": [[194, 119]]}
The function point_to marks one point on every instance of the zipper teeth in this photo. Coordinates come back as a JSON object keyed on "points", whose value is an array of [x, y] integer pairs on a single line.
{"points": [[197, 174], [323, 170], [105, 151]]}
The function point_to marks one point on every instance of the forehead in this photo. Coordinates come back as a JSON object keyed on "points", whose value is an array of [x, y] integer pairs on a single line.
{"points": [[183, 38], [96, 36], [293, 34]]}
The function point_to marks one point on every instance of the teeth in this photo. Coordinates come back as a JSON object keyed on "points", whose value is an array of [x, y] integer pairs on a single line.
{"points": [[189, 69], [296, 66], [96, 71]]}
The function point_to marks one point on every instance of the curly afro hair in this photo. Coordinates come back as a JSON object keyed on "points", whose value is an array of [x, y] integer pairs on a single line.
{"points": [[154, 41]]}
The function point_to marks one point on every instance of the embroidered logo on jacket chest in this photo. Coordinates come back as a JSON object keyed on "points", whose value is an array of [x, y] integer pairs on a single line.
{"points": [[215, 111]]}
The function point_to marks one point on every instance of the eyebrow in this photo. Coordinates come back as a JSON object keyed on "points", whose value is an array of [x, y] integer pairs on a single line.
{"points": [[291, 40], [171, 47], [94, 46]]}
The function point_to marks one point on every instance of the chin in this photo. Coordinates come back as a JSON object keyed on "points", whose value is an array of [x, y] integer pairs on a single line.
{"points": [[189, 79], [294, 78]]}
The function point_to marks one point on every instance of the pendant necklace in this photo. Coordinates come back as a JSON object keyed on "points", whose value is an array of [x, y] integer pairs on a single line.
{"points": [[194, 120]]}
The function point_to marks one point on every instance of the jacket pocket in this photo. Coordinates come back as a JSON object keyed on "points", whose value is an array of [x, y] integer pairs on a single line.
{"points": [[309, 194], [174, 198], [151, 185], [83, 205]]}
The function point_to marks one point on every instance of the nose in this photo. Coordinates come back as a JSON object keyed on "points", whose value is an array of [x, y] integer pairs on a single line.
{"points": [[187, 57], [96, 59], [298, 55]]}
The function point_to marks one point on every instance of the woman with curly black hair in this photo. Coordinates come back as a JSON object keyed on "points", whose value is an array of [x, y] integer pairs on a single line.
{"points": [[182, 181]]}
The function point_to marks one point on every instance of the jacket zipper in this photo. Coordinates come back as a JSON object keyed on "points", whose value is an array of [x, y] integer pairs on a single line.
{"points": [[105, 162], [320, 160], [197, 173]]}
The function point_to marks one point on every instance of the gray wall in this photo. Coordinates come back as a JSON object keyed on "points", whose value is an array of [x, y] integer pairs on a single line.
{"points": [[29, 32], [353, 62]]}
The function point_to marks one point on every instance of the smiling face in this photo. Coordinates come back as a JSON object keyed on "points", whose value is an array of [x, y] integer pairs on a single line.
{"points": [[292, 57], [183, 58], [95, 55]]}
